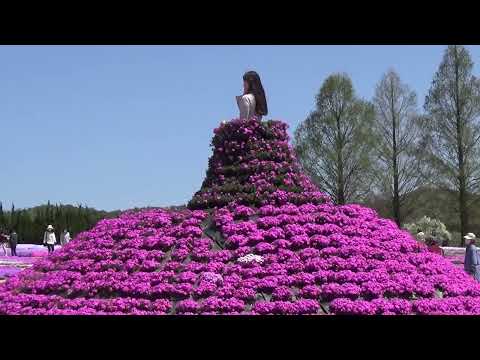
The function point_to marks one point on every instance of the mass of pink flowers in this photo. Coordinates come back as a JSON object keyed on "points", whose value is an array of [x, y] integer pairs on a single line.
{"points": [[253, 164], [283, 248]]}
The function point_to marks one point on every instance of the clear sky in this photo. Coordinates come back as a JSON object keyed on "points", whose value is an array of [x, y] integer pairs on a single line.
{"points": [[116, 127]]}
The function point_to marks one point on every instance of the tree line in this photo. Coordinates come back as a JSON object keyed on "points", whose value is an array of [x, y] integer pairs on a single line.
{"points": [[30, 224], [360, 150]]}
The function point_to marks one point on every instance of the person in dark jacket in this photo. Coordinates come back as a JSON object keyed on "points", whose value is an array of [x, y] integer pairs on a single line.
{"points": [[472, 261], [13, 243]]}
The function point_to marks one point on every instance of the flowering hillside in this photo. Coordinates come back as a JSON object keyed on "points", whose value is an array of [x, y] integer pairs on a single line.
{"points": [[258, 238]]}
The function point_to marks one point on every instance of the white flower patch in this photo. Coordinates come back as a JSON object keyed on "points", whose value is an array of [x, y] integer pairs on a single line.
{"points": [[251, 257]]}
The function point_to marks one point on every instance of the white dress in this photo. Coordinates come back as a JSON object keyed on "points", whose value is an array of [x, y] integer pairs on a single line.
{"points": [[64, 238], [246, 104]]}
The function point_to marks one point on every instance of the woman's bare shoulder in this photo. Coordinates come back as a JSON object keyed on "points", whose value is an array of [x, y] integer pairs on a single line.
{"points": [[245, 96]]}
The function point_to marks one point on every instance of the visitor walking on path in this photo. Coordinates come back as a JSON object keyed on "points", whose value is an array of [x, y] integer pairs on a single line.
{"points": [[49, 239], [64, 237], [13, 243], [472, 263]]}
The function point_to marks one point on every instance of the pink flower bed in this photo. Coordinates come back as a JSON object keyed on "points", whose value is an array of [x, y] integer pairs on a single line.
{"points": [[457, 260], [30, 250], [27, 255], [281, 252], [8, 271], [21, 259]]}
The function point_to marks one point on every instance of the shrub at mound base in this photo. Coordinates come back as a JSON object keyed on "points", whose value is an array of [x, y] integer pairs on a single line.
{"points": [[258, 239]]}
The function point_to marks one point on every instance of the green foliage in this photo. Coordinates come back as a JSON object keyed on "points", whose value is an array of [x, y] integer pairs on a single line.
{"points": [[334, 144], [434, 203], [30, 223], [453, 108], [432, 228]]}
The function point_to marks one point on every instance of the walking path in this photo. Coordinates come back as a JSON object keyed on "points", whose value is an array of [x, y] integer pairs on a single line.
{"points": [[27, 255]]}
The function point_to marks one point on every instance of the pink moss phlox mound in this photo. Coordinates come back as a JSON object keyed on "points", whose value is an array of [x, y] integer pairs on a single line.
{"points": [[253, 164], [288, 250]]}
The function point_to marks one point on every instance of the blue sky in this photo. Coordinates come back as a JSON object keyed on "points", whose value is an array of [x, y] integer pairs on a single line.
{"points": [[116, 127]]}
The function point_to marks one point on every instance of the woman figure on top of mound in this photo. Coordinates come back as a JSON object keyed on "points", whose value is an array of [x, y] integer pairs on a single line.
{"points": [[252, 102]]}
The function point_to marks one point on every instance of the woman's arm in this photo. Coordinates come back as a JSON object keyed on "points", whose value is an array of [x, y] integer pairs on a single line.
{"points": [[475, 255]]}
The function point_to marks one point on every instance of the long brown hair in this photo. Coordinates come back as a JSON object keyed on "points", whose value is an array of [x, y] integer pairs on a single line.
{"points": [[256, 89]]}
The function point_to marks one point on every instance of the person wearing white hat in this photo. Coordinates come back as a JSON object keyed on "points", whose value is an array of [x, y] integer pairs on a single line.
{"points": [[49, 239], [472, 262], [421, 236]]}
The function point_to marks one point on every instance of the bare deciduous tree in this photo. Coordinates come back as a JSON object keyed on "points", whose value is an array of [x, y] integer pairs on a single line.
{"points": [[453, 105], [398, 145]]}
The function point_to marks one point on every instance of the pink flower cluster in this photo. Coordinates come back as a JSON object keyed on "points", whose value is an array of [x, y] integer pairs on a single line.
{"points": [[253, 164], [311, 265]]}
